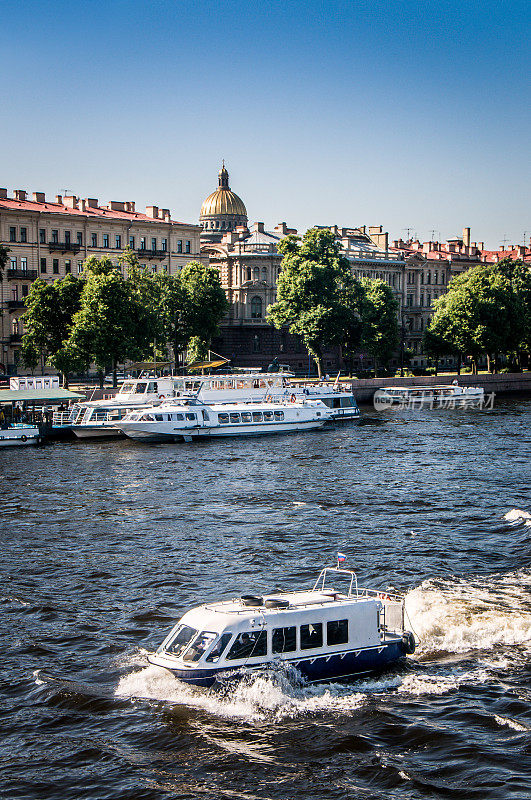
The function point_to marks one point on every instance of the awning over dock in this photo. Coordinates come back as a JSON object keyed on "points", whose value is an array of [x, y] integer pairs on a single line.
{"points": [[51, 395]]}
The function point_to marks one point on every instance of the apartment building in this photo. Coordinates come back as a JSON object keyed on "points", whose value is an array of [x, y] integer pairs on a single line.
{"points": [[50, 239]]}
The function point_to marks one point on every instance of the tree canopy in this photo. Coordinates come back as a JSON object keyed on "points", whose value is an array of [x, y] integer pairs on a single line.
{"points": [[379, 320]]}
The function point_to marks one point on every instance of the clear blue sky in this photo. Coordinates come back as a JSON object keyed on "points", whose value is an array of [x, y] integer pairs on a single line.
{"points": [[364, 112]]}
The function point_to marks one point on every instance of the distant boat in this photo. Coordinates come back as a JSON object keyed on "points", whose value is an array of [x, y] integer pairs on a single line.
{"points": [[444, 396], [191, 419], [19, 434], [335, 630]]}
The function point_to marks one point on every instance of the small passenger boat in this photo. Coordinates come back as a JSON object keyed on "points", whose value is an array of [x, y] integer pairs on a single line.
{"points": [[19, 434], [190, 419], [326, 633], [444, 396]]}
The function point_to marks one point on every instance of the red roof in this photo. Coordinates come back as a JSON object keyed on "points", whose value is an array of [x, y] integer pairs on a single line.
{"points": [[96, 213]]}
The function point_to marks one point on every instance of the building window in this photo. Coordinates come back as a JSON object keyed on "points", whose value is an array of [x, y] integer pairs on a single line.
{"points": [[153, 268], [55, 236], [43, 265], [188, 250], [164, 245], [94, 238], [106, 240], [55, 266], [142, 242], [153, 244], [14, 293], [179, 245], [16, 327], [132, 242], [25, 290], [24, 264], [256, 343], [428, 277], [118, 242], [249, 273], [68, 266], [80, 238], [13, 262], [428, 299], [23, 234], [409, 301], [435, 276], [79, 267], [42, 235], [12, 234], [256, 308], [67, 237]]}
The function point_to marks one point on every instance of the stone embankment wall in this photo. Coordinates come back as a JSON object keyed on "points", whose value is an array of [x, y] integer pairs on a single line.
{"points": [[509, 383]]}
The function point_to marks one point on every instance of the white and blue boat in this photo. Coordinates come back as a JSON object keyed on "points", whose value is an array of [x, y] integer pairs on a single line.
{"points": [[326, 633]]}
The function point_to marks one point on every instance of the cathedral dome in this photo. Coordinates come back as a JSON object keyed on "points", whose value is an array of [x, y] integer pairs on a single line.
{"points": [[222, 210]]}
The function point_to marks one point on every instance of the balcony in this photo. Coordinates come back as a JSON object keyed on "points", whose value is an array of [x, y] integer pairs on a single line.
{"points": [[145, 252], [22, 274], [15, 337], [64, 247], [12, 305]]}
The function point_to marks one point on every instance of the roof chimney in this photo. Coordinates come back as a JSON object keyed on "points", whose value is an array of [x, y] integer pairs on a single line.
{"points": [[59, 199], [39, 197], [481, 245], [152, 211], [3, 194], [116, 205], [20, 194], [70, 201], [83, 204], [466, 237], [259, 227], [92, 202]]}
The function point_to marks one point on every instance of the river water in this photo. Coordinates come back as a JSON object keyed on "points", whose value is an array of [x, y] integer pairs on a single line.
{"points": [[105, 544]]}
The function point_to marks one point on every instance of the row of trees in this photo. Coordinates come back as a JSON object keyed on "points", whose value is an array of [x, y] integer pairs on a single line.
{"points": [[486, 312], [106, 317], [319, 299]]}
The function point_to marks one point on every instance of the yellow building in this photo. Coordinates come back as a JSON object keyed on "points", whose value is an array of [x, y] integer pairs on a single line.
{"points": [[50, 239]]}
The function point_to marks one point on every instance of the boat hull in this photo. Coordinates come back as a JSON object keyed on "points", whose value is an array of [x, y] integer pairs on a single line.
{"points": [[19, 436], [314, 669], [176, 434], [96, 432]]}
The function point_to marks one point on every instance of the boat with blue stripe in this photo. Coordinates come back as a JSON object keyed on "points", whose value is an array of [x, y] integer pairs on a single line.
{"points": [[336, 630]]}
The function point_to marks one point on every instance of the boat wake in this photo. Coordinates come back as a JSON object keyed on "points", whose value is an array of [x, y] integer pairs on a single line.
{"points": [[516, 516]]}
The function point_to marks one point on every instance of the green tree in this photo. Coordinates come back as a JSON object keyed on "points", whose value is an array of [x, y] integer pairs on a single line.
{"points": [[311, 291], [519, 276], [147, 291], [50, 308], [379, 321], [174, 314], [205, 304], [3, 260], [105, 329], [435, 347]]}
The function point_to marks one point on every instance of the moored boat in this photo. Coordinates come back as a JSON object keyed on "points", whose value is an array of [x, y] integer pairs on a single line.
{"points": [[443, 396], [190, 419], [325, 633], [19, 434]]}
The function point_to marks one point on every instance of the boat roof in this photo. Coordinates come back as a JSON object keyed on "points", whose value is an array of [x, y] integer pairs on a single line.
{"points": [[242, 405], [296, 600], [36, 395]]}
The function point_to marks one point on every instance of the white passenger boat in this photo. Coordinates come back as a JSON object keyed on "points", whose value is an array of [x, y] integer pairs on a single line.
{"points": [[326, 633], [190, 419], [19, 434], [444, 396]]}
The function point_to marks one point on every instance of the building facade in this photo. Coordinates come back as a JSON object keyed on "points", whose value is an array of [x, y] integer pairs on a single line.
{"points": [[52, 239]]}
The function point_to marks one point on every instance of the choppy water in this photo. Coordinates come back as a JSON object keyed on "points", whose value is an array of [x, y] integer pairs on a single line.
{"points": [[105, 544]]}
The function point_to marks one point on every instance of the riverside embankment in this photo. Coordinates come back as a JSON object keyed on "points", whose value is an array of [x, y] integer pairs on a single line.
{"points": [[500, 384]]}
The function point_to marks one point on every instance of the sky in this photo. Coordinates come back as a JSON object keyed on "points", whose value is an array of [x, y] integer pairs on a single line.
{"points": [[409, 115]]}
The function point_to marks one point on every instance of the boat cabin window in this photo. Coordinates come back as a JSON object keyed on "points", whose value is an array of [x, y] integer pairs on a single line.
{"points": [[279, 415], [159, 417], [127, 388], [190, 416], [219, 647], [234, 417], [140, 388], [246, 416], [337, 632], [147, 418], [199, 646], [257, 416], [268, 416], [284, 640], [223, 419], [311, 635], [152, 387], [205, 416], [178, 416], [182, 638], [249, 645]]}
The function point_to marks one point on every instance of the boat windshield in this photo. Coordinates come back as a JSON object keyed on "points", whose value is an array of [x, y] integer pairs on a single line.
{"points": [[200, 644], [127, 388], [180, 640]]}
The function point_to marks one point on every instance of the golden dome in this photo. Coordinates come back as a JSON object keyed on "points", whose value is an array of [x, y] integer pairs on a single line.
{"points": [[223, 200]]}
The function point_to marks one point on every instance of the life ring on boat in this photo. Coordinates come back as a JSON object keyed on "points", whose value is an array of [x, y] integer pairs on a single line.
{"points": [[408, 642], [252, 600], [276, 602], [383, 596], [24, 438], [293, 399], [162, 397]]}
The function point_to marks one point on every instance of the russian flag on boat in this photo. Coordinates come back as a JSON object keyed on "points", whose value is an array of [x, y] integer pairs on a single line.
{"points": [[341, 557]]}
